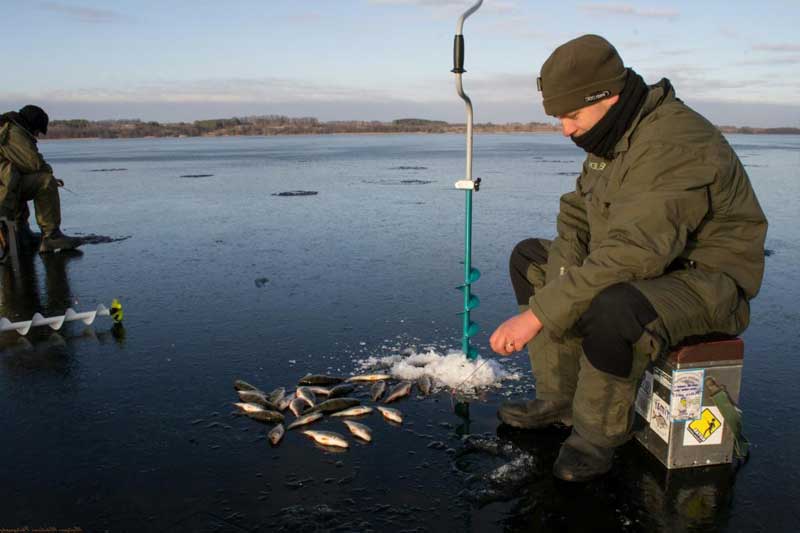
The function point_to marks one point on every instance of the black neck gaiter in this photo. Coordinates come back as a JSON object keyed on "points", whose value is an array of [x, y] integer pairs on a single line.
{"points": [[601, 139]]}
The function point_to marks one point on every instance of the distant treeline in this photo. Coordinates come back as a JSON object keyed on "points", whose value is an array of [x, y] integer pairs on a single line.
{"points": [[769, 131], [281, 125], [265, 125]]}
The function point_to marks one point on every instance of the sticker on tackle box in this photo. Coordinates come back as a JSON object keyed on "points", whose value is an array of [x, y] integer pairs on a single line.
{"points": [[662, 377], [706, 430], [644, 394], [660, 418], [686, 400]]}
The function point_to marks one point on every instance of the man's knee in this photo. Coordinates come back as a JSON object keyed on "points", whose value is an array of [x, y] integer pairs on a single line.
{"points": [[611, 326], [524, 254], [37, 183]]}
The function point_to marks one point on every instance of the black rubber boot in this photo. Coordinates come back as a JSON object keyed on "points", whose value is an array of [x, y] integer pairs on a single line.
{"points": [[580, 460], [27, 239], [536, 414], [55, 241]]}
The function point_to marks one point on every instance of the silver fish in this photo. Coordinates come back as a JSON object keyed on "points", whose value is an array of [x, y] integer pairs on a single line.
{"points": [[376, 391], [305, 419], [276, 395], [425, 384], [298, 406], [251, 396], [319, 391], [336, 404], [318, 379], [245, 407], [341, 390], [303, 392], [402, 389], [266, 416], [369, 377], [276, 434], [284, 403], [359, 430], [327, 438], [243, 385], [391, 414], [354, 411]]}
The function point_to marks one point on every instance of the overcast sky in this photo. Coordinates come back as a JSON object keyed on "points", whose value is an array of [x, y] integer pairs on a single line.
{"points": [[737, 62]]}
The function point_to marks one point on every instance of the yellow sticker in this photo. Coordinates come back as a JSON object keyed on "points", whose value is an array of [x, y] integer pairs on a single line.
{"points": [[703, 428]]}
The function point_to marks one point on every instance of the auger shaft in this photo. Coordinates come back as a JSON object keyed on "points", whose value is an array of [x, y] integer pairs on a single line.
{"points": [[468, 185]]}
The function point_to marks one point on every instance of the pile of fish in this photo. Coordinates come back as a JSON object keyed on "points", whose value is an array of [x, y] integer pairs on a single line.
{"points": [[307, 406]]}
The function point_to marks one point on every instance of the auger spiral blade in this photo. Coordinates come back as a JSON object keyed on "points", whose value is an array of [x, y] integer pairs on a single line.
{"points": [[56, 322]]}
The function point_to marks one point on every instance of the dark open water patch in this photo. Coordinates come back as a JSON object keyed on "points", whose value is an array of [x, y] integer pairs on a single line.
{"points": [[402, 167], [397, 182], [295, 193], [196, 175], [108, 170], [100, 239]]}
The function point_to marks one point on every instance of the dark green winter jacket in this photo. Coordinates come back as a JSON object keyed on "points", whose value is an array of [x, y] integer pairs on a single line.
{"points": [[675, 192], [18, 155]]}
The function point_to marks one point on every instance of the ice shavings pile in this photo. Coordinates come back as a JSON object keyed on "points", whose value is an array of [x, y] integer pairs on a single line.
{"points": [[452, 370]]}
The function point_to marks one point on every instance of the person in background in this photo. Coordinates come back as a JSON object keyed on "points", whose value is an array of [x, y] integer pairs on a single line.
{"points": [[24, 176], [662, 239]]}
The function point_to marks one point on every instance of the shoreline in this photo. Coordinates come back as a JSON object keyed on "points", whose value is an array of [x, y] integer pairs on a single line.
{"points": [[279, 125], [338, 133], [364, 133]]}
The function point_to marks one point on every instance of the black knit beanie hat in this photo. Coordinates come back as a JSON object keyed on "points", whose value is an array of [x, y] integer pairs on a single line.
{"points": [[35, 119], [579, 73]]}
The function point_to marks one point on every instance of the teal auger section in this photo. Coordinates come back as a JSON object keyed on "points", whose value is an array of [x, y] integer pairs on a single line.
{"points": [[471, 275]]}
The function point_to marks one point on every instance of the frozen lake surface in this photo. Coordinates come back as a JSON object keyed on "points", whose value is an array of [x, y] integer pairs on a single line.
{"points": [[223, 279]]}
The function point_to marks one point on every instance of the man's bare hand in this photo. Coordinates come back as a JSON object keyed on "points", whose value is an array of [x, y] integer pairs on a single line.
{"points": [[515, 333]]}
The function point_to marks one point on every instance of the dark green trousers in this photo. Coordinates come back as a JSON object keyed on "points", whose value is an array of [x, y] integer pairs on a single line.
{"points": [[686, 302], [41, 187]]}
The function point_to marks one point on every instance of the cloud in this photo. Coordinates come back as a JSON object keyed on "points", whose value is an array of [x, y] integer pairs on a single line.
{"points": [[426, 3], [771, 61], [679, 52], [223, 90], [452, 6], [628, 10], [731, 33], [520, 28], [492, 88], [500, 97], [83, 14], [305, 17], [778, 47]]}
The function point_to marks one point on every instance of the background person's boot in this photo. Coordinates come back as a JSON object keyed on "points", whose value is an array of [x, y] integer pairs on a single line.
{"points": [[536, 414], [55, 241], [26, 238], [580, 460]]}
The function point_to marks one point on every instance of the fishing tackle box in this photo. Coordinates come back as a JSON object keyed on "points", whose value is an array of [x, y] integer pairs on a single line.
{"points": [[678, 416]]}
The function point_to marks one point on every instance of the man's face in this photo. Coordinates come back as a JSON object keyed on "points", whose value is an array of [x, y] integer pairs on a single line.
{"points": [[578, 122]]}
